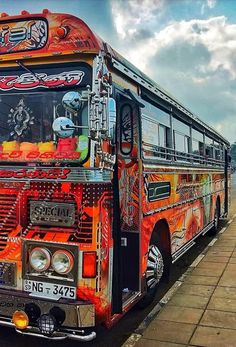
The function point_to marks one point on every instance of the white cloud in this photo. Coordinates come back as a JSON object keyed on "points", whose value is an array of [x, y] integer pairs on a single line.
{"points": [[129, 15], [210, 4], [194, 60]]}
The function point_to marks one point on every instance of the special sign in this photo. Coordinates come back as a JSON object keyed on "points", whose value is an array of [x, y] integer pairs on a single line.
{"points": [[23, 36]]}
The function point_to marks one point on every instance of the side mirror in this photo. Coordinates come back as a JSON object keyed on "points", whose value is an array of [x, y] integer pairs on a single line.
{"points": [[63, 127], [111, 119]]}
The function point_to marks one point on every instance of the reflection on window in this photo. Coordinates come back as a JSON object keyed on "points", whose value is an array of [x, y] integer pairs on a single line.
{"points": [[154, 137], [150, 131], [181, 142], [126, 131], [181, 127], [209, 152], [26, 128]]}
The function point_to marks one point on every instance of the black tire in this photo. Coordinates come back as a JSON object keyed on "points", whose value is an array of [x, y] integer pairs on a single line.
{"points": [[154, 272], [216, 220]]}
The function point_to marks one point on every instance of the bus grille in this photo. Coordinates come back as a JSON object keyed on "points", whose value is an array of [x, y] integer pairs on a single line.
{"points": [[8, 218]]}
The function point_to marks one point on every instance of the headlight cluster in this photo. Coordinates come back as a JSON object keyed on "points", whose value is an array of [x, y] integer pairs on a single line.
{"points": [[41, 259]]}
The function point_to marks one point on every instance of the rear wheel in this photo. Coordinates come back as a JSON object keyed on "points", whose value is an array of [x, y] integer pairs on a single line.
{"points": [[216, 220]]}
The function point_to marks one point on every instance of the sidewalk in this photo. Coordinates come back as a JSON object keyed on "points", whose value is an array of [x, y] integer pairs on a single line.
{"points": [[202, 311]]}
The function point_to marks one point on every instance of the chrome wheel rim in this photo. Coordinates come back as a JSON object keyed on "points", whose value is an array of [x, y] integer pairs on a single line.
{"points": [[216, 219], [155, 267]]}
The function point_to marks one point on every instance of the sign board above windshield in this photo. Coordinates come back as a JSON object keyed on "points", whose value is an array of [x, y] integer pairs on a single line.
{"points": [[21, 36], [43, 78]]}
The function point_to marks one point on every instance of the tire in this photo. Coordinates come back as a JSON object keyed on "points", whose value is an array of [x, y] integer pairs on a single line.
{"points": [[154, 272], [216, 220]]}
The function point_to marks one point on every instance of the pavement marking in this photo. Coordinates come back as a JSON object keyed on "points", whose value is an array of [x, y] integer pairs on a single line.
{"points": [[198, 259], [212, 242], [132, 340], [222, 230]]}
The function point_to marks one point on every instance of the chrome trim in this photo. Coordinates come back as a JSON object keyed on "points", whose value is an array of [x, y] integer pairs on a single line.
{"points": [[179, 203], [54, 174], [28, 273], [59, 336], [41, 213], [187, 246], [79, 314], [79, 335], [156, 169], [7, 324]]}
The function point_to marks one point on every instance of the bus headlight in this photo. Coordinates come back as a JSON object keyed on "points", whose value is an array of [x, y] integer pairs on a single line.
{"points": [[39, 259], [62, 262]]}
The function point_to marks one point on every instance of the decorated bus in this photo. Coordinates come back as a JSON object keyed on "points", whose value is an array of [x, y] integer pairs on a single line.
{"points": [[105, 179]]}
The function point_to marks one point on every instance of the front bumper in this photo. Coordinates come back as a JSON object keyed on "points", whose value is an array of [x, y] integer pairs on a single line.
{"points": [[79, 316]]}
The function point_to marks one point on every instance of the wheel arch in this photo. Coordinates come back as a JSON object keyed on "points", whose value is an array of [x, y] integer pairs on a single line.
{"points": [[161, 237], [161, 232]]}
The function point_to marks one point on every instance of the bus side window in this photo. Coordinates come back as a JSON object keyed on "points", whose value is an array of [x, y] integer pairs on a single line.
{"points": [[181, 135], [126, 129], [155, 138]]}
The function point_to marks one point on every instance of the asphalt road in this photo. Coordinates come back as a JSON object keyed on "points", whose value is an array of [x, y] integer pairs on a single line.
{"points": [[119, 333]]}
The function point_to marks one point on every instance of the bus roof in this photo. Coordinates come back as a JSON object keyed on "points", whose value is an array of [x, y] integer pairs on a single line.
{"points": [[27, 36]]}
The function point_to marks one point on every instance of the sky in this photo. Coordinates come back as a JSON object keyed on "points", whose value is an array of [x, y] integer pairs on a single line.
{"points": [[187, 46]]}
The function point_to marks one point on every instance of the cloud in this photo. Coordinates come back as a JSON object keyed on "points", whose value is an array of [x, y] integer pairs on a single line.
{"points": [[208, 4], [129, 15], [194, 60]]}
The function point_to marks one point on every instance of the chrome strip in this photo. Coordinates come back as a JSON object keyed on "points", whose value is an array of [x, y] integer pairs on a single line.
{"points": [[150, 169], [188, 245], [57, 335], [52, 174], [83, 338], [168, 207]]}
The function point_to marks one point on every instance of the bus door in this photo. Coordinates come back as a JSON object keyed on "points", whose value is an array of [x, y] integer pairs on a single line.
{"points": [[129, 190]]}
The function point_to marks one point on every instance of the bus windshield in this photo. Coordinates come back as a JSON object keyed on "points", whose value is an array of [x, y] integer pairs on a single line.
{"points": [[26, 119]]}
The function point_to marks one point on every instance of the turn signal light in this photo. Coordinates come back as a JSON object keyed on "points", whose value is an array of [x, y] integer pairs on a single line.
{"points": [[89, 264], [20, 320]]}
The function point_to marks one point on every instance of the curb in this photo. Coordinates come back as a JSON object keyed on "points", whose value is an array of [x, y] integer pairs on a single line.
{"points": [[138, 333]]}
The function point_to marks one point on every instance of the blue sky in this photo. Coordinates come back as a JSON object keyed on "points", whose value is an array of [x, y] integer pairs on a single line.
{"points": [[186, 46]]}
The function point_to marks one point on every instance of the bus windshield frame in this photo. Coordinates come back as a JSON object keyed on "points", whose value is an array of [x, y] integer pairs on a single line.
{"points": [[30, 103]]}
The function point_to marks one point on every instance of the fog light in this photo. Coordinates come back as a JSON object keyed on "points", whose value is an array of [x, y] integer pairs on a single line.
{"points": [[47, 324], [33, 312], [20, 319]]}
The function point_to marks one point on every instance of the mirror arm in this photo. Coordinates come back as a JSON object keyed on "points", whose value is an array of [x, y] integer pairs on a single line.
{"points": [[72, 127]]}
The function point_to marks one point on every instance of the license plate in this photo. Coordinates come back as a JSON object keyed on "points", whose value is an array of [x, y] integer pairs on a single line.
{"points": [[52, 213], [50, 290]]}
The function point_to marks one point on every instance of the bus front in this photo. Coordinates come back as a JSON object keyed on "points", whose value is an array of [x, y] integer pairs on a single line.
{"points": [[55, 201]]}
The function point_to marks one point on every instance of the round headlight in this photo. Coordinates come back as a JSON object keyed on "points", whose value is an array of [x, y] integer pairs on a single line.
{"points": [[40, 259], [62, 262]]}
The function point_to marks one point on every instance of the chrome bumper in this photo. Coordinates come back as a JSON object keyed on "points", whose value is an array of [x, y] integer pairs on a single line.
{"points": [[79, 335], [79, 314]]}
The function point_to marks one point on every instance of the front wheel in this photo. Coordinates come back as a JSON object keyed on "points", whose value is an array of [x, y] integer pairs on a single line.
{"points": [[154, 273], [155, 267]]}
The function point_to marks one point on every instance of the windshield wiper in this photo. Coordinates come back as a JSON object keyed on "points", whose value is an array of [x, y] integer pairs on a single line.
{"points": [[22, 65]]}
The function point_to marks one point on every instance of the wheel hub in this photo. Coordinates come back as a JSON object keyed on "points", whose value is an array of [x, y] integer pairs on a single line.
{"points": [[155, 266]]}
